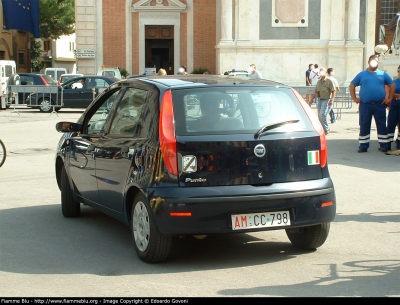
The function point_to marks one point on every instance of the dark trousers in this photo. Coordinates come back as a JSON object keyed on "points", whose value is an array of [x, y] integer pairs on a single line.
{"points": [[393, 120], [367, 111]]}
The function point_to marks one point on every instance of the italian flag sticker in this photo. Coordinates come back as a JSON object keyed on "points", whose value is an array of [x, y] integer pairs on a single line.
{"points": [[313, 157]]}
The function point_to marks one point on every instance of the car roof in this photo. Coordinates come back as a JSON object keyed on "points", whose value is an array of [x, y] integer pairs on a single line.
{"points": [[68, 74], [190, 80], [26, 73], [96, 76]]}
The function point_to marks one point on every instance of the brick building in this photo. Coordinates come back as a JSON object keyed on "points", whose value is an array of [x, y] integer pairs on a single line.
{"points": [[15, 45]]}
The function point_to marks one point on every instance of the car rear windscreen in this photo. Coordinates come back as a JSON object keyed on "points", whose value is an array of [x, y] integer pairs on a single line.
{"points": [[220, 110]]}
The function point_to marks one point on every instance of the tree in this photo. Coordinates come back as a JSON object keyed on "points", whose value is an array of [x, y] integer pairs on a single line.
{"points": [[36, 54], [56, 18]]}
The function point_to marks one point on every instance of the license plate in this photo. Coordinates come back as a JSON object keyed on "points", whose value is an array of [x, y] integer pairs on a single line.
{"points": [[260, 220]]}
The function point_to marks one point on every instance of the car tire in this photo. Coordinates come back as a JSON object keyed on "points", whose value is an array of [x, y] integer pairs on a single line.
{"points": [[69, 207], [45, 105], [309, 238], [150, 245]]}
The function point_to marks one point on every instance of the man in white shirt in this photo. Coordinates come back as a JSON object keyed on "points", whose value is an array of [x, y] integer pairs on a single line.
{"points": [[314, 75], [253, 73]]}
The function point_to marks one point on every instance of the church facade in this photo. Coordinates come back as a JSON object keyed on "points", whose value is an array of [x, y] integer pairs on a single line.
{"points": [[281, 37]]}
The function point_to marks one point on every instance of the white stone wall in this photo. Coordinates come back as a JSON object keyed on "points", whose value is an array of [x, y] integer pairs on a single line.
{"points": [[286, 60], [87, 23]]}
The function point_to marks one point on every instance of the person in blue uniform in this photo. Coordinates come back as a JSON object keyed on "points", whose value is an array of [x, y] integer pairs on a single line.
{"points": [[393, 119], [372, 102]]}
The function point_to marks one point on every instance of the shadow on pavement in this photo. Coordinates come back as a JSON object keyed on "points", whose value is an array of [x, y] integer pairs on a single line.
{"points": [[39, 240]]}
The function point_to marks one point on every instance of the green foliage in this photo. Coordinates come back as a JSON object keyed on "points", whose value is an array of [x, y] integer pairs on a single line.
{"points": [[56, 18], [36, 55], [200, 71], [123, 72]]}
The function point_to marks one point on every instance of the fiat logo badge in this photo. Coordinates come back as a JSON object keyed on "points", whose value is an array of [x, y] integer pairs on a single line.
{"points": [[259, 150]]}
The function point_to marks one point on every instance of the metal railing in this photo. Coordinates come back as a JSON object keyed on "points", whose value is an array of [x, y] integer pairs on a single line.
{"points": [[33, 96], [342, 100]]}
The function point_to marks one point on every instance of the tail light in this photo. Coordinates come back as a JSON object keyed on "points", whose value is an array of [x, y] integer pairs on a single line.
{"points": [[317, 126], [44, 81], [167, 134]]}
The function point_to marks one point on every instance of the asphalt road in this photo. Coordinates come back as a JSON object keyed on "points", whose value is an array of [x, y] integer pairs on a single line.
{"points": [[44, 254]]}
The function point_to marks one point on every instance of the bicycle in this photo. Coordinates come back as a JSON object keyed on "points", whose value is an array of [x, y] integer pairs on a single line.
{"points": [[3, 153]]}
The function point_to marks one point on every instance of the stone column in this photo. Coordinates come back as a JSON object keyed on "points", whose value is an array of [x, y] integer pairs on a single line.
{"points": [[243, 24], [226, 21], [353, 21], [337, 16]]}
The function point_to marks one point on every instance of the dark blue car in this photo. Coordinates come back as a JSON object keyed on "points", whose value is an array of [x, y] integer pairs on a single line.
{"points": [[77, 92], [173, 156]]}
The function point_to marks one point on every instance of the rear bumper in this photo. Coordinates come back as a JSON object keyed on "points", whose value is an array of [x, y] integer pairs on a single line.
{"points": [[211, 207]]}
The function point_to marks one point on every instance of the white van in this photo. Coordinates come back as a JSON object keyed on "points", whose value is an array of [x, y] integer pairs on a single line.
{"points": [[7, 68], [55, 73], [109, 72]]}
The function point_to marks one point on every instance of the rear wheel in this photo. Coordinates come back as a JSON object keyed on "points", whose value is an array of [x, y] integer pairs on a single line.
{"points": [[69, 207], [45, 105], [151, 246], [3, 153], [309, 238]]}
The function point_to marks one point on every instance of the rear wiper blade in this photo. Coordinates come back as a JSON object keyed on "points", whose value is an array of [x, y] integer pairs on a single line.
{"points": [[272, 126]]}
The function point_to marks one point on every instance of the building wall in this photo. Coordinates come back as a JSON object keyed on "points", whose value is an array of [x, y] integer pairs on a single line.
{"points": [[87, 22], [335, 33], [114, 34], [13, 42], [329, 37], [204, 34]]}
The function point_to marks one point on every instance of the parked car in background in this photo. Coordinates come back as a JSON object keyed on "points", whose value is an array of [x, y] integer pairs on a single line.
{"points": [[111, 71], [65, 77], [195, 156], [71, 94], [55, 73], [238, 73], [33, 79]]}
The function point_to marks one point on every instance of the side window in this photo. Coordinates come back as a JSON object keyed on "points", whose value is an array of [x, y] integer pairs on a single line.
{"points": [[9, 70], [101, 83], [27, 80], [127, 119], [98, 120]]}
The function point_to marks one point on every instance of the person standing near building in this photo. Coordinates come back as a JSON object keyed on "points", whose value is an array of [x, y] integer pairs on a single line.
{"points": [[331, 74], [314, 75], [162, 72], [372, 103], [393, 118], [253, 73], [308, 83], [182, 70], [325, 91]]}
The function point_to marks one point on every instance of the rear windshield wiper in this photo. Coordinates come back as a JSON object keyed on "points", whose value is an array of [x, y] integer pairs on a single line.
{"points": [[272, 126]]}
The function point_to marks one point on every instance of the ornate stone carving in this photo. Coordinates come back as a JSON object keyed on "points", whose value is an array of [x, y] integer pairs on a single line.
{"points": [[164, 5], [156, 15], [289, 13]]}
